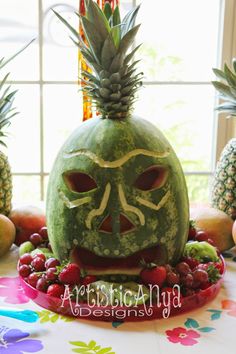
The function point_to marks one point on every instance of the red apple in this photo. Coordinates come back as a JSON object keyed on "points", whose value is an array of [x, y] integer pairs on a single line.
{"points": [[27, 220]]}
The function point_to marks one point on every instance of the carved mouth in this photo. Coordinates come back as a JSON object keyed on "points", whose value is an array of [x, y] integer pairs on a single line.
{"points": [[94, 264], [125, 225]]}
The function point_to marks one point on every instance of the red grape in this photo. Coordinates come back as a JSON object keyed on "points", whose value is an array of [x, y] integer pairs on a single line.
{"points": [[192, 262], [200, 275], [42, 284], [187, 280], [44, 233], [201, 236], [26, 258], [36, 239], [24, 270], [52, 262], [32, 279], [183, 268], [172, 278], [40, 255], [51, 274], [38, 264]]}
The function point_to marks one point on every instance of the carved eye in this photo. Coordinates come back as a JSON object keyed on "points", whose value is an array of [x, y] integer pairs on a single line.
{"points": [[79, 182], [152, 178]]}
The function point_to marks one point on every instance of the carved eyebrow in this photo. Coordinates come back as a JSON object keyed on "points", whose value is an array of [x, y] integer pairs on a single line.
{"points": [[116, 163]]}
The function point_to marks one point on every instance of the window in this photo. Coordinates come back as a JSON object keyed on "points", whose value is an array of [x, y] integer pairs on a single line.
{"points": [[182, 41]]}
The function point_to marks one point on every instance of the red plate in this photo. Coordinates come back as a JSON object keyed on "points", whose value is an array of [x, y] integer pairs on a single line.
{"points": [[111, 313]]}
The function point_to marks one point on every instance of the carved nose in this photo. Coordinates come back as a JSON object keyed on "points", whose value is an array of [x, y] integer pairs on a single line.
{"points": [[125, 224]]}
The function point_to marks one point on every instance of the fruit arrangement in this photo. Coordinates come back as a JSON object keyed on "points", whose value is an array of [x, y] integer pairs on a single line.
{"points": [[116, 192], [198, 269]]}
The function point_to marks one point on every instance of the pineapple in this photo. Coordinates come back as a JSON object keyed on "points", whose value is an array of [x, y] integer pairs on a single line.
{"points": [[6, 113], [223, 195], [114, 82]]}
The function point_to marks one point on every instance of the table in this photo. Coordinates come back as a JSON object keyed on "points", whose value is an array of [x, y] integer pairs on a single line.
{"points": [[210, 329]]}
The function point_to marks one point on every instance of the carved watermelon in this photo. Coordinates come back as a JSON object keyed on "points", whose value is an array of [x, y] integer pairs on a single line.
{"points": [[116, 189]]}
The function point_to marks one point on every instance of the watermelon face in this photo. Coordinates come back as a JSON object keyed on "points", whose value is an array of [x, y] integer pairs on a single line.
{"points": [[117, 195]]}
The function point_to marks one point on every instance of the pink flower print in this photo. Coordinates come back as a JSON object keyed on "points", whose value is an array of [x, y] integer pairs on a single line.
{"points": [[12, 291], [182, 336]]}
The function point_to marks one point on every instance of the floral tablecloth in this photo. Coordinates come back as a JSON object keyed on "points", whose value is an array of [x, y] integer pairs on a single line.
{"points": [[210, 329]]}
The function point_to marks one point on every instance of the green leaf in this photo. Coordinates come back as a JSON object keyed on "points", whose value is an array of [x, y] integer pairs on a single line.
{"points": [[95, 15], [115, 32], [104, 351], [44, 319], [108, 52], [206, 329], [128, 39], [93, 37], [75, 33], [229, 76], [129, 20], [219, 73], [116, 17], [80, 350], [191, 323], [54, 318], [3, 63], [117, 63], [92, 344], [130, 56], [223, 89], [107, 10], [234, 64], [79, 344]]}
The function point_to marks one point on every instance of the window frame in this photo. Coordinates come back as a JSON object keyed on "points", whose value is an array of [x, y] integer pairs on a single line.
{"points": [[224, 128]]}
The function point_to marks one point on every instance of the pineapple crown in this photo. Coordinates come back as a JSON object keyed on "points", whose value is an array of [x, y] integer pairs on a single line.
{"points": [[113, 83], [7, 98], [227, 88]]}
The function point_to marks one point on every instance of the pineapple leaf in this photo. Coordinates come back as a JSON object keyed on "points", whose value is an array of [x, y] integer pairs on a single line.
{"points": [[117, 63], [129, 20], [107, 10], [95, 15], [226, 107], [4, 80], [93, 37], [90, 76], [234, 64], [128, 39], [229, 76], [130, 56], [97, 68], [108, 52], [116, 35], [3, 63], [223, 89], [116, 17], [78, 43], [66, 23], [219, 73]]}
